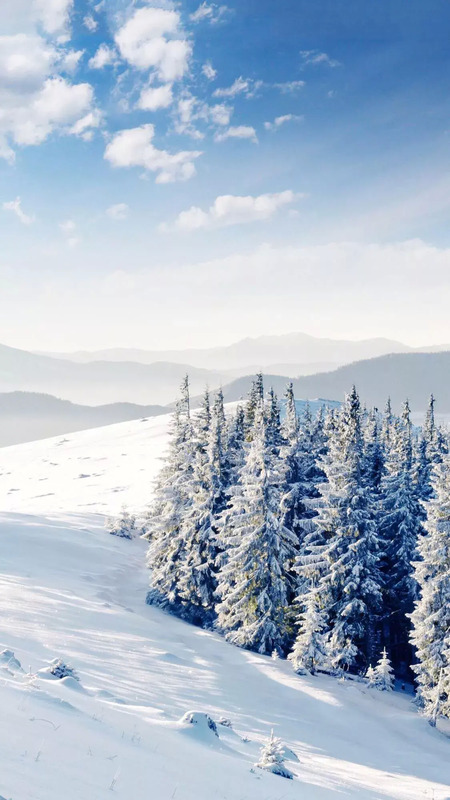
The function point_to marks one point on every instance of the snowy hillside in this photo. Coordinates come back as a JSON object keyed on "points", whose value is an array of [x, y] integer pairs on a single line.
{"points": [[69, 590]]}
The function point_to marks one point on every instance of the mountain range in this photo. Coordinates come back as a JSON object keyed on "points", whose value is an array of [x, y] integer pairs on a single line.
{"points": [[294, 351]]}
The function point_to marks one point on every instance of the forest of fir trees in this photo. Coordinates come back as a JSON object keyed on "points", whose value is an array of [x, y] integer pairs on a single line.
{"points": [[324, 539]]}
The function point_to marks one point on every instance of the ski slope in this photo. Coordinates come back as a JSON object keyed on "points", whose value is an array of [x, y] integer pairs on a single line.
{"points": [[70, 590]]}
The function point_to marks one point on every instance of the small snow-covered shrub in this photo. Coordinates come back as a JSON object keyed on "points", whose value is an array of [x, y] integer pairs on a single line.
{"points": [[62, 670], [123, 526], [383, 674], [226, 723], [272, 758]]}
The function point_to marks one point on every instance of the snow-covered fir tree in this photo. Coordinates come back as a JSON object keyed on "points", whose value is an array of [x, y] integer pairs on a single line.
{"points": [[351, 584], [401, 525], [272, 758], [124, 525], [370, 676], [253, 582], [310, 649], [383, 674], [199, 524], [431, 616], [255, 399], [173, 498]]}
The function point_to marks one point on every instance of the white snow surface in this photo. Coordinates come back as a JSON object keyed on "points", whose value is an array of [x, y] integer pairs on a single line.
{"points": [[69, 590]]}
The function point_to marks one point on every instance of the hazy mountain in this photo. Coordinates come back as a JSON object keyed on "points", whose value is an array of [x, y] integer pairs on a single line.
{"points": [[412, 375], [99, 381], [293, 348], [26, 416]]}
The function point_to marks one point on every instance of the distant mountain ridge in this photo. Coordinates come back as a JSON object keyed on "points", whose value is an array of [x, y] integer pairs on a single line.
{"points": [[399, 376], [292, 348], [28, 416], [99, 382]]}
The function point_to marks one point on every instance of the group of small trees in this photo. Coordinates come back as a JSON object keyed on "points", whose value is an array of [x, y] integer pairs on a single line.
{"points": [[309, 537]]}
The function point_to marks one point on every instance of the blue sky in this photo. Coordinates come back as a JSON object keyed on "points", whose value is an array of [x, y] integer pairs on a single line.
{"points": [[189, 173]]}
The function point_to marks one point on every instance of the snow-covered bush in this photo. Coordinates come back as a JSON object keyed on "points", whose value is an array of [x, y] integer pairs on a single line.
{"points": [[370, 676], [123, 525], [202, 720], [62, 670], [272, 758]]}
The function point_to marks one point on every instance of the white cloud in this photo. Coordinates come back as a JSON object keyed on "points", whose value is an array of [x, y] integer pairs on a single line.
{"points": [[279, 121], [240, 86], [315, 58], [71, 60], [209, 12], [90, 23], [85, 126], [190, 111], [68, 226], [233, 210], [152, 39], [53, 14], [289, 86], [134, 148], [104, 57], [36, 101], [16, 207], [209, 71], [119, 211], [238, 132], [153, 98]]}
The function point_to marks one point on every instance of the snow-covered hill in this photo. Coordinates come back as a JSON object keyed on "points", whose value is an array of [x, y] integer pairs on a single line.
{"points": [[70, 590]]}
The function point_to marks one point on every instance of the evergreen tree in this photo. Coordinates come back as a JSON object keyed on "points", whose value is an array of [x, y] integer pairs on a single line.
{"points": [[431, 616], [401, 526], [124, 525], [199, 526], [383, 674], [351, 584], [173, 497], [252, 580], [254, 402], [272, 758], [309, 652], [370, 676]]}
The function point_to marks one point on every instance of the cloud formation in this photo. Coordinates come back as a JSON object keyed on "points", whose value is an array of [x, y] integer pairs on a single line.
{"points": [[134, 148], [15, 206], [209, 12], [279, 121], [238, 132], [118, 212], [152, 39], [233, 210], [155, 97], [316, 58]]}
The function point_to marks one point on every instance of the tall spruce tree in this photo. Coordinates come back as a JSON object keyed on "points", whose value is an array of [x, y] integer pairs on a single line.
{"points": [[252, 587], [351, 583], [401, 525], [173, 498], [431, 616], [199, 526]]}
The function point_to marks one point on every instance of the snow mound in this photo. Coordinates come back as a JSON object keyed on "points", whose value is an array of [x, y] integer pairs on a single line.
{"points": [[201, 725], [10, 662]]}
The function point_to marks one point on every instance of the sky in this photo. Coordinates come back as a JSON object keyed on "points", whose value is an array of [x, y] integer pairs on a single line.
{"points": [[178, 174]]}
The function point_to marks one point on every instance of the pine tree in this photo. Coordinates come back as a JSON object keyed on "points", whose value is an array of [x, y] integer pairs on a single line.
{"points": [[255, 400], [252, 580], [309, 652], [199, 526], [272, 758], [383, 674], [370, 676], [401, 527], [431, 616], [350, 584], [173, 497], [124, 525]]}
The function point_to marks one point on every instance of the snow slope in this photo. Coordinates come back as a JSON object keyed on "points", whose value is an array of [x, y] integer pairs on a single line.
{"points": [[68, 589]]}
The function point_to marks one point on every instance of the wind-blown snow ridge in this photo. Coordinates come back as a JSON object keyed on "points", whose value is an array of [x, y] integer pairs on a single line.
{"points": [[69, 590]]}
